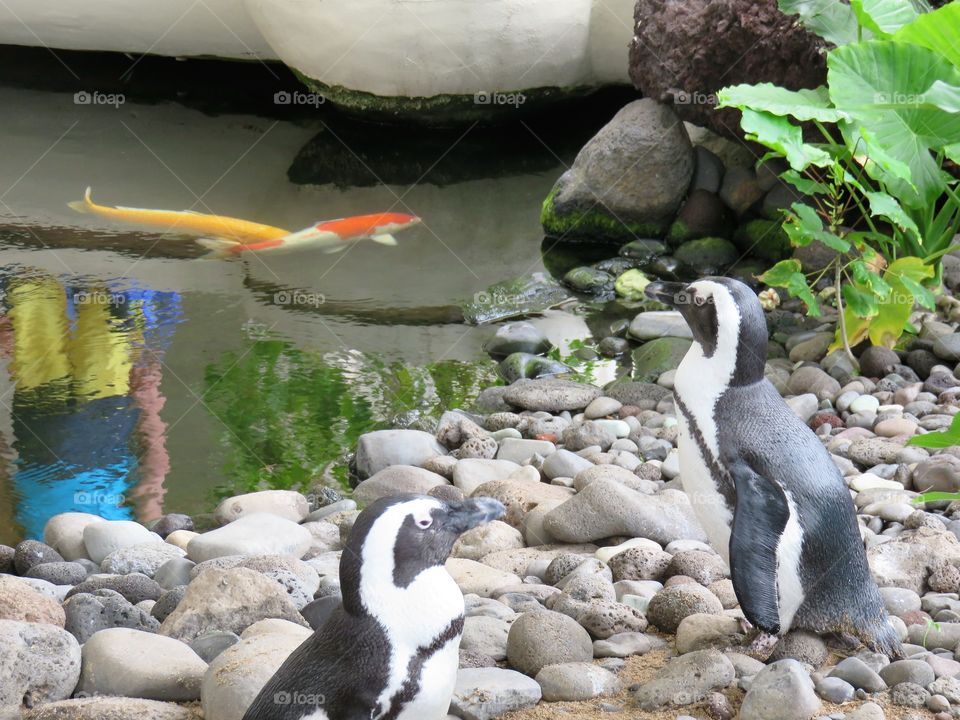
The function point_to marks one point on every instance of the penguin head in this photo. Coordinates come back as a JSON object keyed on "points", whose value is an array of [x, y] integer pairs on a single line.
{"points": [[727, 322], [396, 539]]}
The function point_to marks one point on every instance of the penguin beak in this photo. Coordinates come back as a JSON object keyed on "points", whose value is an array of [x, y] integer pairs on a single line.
{"points": [[471, 513], [665, 292]]}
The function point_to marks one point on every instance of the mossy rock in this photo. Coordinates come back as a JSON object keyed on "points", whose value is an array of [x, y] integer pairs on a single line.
{"points": [[631, 284], [591, 224], [654, 358], [764, 239], [708, 256]]}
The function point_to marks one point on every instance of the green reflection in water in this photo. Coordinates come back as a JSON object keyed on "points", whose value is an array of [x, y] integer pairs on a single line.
{"points": [[292, 415]]}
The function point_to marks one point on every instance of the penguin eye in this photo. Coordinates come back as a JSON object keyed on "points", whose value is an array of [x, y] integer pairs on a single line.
{"points": [[424, 523]]}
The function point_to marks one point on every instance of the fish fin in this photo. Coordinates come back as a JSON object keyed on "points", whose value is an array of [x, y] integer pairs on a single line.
{"points": [[386, 239], [220, 248], [82, 206], [334, 249]]}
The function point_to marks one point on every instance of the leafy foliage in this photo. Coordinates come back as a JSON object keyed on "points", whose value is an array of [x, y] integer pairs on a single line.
{"points": [[873, 187]]}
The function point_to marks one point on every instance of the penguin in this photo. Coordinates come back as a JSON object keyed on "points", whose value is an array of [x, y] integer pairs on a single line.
{"points": [[764, 488], [390, 651]]}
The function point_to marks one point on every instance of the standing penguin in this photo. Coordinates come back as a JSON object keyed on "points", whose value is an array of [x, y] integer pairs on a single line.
{"points": [[766, 491], [390, 651]]}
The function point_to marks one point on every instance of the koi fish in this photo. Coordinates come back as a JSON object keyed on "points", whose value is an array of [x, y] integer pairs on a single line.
{"points": [[330, 235], [185, 221]]}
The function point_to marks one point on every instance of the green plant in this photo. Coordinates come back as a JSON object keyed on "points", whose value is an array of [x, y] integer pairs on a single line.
{"points": [[873, 186], [938, 441]]}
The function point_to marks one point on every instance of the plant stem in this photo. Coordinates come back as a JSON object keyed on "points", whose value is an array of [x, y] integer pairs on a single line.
{"points": [[842, 321]]}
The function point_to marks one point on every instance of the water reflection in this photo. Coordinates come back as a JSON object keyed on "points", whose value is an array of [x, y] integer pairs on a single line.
{"points": [[85, 361]]}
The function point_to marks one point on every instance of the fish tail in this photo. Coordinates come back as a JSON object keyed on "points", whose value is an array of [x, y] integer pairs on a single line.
{"points": [[85, 205], [220, 248]]}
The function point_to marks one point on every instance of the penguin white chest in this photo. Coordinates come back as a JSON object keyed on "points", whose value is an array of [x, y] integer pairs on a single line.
{"points": [[700, 485], [432, 700]]}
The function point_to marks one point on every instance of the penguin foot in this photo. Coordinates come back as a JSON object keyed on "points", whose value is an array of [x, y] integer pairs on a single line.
{"points": [[759, 644]]}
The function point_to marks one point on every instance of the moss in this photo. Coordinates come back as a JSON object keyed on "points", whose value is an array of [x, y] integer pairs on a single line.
{"points": [[654, 358], [593, 224], [764, 239], [441, 109]]}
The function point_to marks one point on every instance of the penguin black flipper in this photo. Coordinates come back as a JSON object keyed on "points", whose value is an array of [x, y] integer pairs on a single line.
{"points": [[759, 519]]}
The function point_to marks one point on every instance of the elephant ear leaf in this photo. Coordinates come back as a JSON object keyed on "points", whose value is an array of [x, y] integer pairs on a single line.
{"points": [[883, 17], [938, 30]]}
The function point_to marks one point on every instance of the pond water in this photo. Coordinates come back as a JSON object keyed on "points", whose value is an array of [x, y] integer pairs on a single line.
{"points": [[138, 378]]}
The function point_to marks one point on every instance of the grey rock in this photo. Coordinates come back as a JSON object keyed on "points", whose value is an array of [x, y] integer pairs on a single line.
{"points": [[134, 587], [397, 480], [168, 602], [685, 680], [653, 324], [172, 522], [64, 533], [835, 690], [174, 572], [145, 559], [517, 337], [909, 694], [603, 619], [908, 671], [253, 534], [102, 538], [625, 644], [573, 682], [564, 463], [382, 448], [587, 434], [704, 567], [130, 663], [781, 691], [209, 646], [859, 674], [640, 563], [59, 573], [39, 663], [485, 635], [109, 708], [675, 602], [701, 631], [809, 379], [803, 646], [486, 693], [606, 508], [88, 614], [538, 639], [30, 553], [553, 396], [947, 347]]}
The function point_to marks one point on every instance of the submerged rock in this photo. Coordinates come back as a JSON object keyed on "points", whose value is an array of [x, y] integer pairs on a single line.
{"points": [[520, 365], [655, 357]]}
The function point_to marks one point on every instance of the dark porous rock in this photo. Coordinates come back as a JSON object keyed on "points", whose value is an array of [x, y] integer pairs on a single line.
{"points": [[447, 493], [909, 694], [876, 361], [168, 602], [707, 172], [702, 215], [88, 613], [944, 578], [33, 552], [562, 565], [675, 602], [604, 619], [59, 573], [940, 382], [171, 523], [7, 554], [641, 395], [134, 587], [550, 395], [607, 192], [587, 434], [825, 418], [740, 190], [704, 567], [689, 50], [873, 451], [922, 361], [490, 400], [639, 563]]}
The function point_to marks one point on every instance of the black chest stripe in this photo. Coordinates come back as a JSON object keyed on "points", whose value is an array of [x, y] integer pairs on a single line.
{"points": [[411, 685], [720, 473]]}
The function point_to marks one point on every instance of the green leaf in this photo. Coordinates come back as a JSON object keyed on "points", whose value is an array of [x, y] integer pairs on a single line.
{"points": [[867, 278], [799, 104], [946, 438], [953, 152], [877, 83], [922, 295], [891, 319], [834, 242], [939, 31], [807, 218], [943, 96], [779, 275], [798, 287], [885, 206], [778, 133], [912, 267], [833, 21], [803, 184], [933, 496], [861, 303], [883, 17]]}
